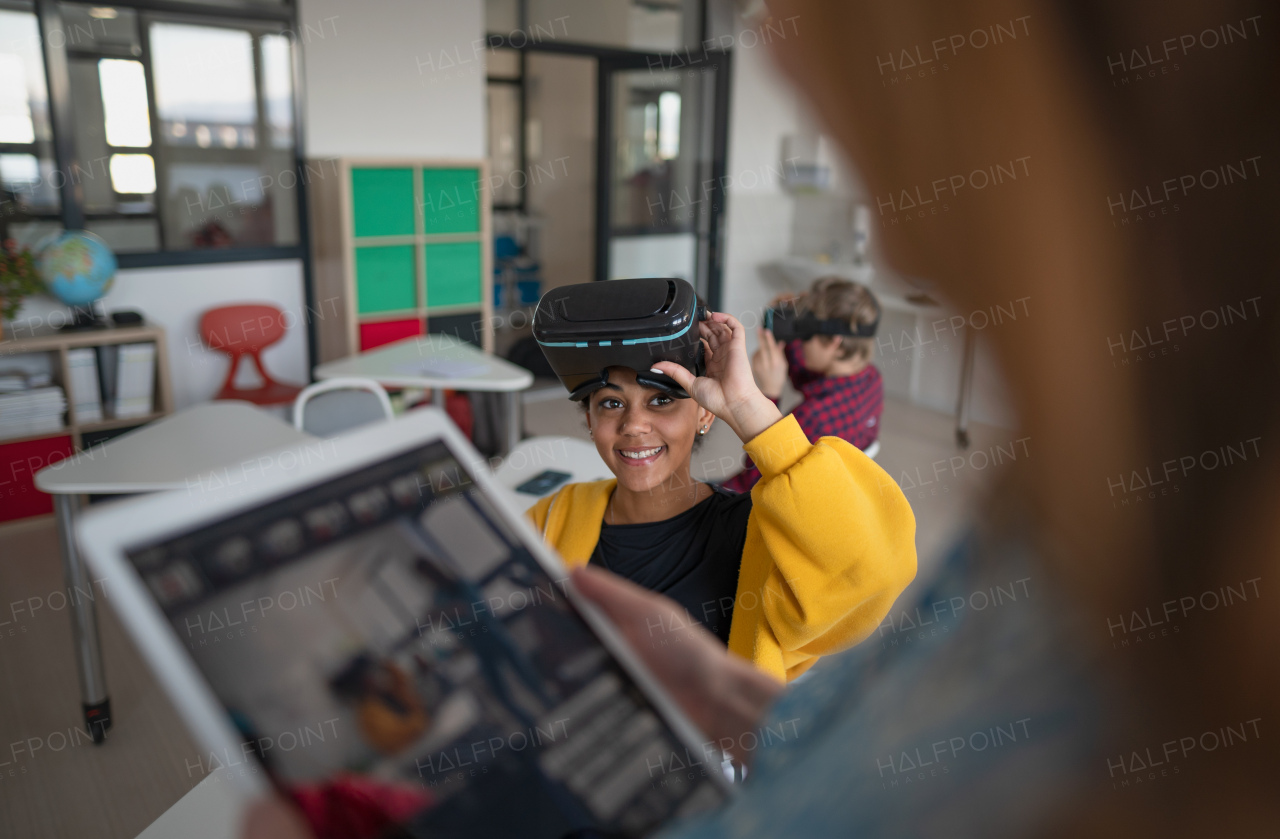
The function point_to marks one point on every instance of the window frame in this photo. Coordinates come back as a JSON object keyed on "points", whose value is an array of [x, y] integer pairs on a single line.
{"points": [[610, 60], [35, 148], [522, 108], [250, 18]]}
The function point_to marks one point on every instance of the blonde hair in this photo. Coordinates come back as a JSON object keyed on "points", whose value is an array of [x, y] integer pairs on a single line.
{"points": [[835, 298]]}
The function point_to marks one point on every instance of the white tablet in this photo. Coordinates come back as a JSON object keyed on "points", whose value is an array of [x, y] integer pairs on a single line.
{"points": [[369, 625]]}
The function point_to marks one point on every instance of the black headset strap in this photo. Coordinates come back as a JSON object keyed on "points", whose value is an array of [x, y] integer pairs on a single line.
{"points": [[589, 387], [836, 326], [666, 384]]}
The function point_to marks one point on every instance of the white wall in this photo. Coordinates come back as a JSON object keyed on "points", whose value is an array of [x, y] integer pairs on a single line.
{"points": [[764, 223], [175, 298], [561, 92], [758, 213], [393, 78]]}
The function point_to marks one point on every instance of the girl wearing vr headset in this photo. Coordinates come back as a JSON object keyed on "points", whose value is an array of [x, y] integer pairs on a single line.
{"points": [[807, 564]]}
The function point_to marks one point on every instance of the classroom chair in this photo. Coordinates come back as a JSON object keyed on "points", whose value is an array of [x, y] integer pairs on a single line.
{"points": [[247, 329], [333, 406]]}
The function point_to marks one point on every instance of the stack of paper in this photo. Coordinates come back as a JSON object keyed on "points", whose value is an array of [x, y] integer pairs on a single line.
{"points": [[29, 370], [135, 380], [29, 412], [82, 371]]}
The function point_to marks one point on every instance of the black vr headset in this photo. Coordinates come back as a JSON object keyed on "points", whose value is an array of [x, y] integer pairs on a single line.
{"points": [[790, 322], [587, 328]]}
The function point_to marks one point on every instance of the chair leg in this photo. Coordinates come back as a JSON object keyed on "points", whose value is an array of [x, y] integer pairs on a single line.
{"points": [[267, 381], [231, 373]]}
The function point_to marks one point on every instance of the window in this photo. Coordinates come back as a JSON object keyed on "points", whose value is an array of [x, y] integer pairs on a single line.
{"points": [[655, 186], [658, 131], [224, 103], [29, 203], [181, 134]]}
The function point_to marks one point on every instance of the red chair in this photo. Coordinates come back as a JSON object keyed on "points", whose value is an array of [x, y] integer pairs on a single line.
{"points": [[247, 330]]}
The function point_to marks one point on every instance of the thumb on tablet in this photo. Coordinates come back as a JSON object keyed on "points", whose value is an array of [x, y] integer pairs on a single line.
{"points": [[272, 818]]}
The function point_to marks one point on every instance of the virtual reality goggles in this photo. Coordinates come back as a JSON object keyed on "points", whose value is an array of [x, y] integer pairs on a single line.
{"points": [[789, 322], [585, 329]]}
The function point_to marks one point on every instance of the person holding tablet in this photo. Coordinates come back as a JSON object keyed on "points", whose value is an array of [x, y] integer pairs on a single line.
{"points": [[807, 564], [1038, 718]]}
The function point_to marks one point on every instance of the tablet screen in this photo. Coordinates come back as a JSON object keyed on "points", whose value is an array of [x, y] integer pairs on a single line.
{"points": [[401, 665]]}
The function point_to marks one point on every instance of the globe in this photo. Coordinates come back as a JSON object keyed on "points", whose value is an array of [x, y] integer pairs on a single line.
{"points": [[77, 267]]}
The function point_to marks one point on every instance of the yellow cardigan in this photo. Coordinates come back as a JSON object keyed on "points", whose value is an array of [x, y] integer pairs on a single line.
{"points": [[830, 545]]}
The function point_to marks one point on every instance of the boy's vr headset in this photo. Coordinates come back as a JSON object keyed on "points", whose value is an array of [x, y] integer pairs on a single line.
{"points": [[587, 328], [789, 322]]}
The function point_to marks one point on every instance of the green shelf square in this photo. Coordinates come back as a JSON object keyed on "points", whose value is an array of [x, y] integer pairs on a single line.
{"points": [[451, 200], [385, 279], [453, 274], [382, 201]]}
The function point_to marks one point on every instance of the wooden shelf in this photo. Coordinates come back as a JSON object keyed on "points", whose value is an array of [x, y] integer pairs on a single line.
{"points": [[60, 342], [393, 314], [451, 309], [49, 340], [122, 422], [437, 211], [29, 447], [86, 428], [65, 431]]}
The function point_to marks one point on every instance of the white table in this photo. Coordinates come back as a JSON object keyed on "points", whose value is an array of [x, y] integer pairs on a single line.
{"points": [[437, 362], [537, 454], [162, 455]]}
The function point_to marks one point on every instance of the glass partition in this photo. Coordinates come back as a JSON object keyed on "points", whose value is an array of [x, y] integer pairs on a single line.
{"points": [[29, 204]]}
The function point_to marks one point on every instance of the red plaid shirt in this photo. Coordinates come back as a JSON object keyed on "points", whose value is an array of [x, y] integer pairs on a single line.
{"points": [[847, 407]]}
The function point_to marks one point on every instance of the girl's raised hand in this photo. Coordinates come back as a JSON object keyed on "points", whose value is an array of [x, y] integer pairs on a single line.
{"points": [[729, 389]]}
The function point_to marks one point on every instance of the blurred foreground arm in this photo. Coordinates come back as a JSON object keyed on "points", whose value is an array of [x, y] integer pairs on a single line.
{"points": [[273, 818], [724, 695]]}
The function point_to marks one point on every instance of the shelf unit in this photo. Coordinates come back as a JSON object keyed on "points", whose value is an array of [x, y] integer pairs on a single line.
{"points": [[22, 457], [396, 242]]}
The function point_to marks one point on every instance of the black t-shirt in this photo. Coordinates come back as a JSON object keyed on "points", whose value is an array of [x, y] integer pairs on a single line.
{"points": [[693, 558]]}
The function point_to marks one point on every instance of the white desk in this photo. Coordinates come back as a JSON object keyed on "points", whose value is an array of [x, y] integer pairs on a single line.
{"points": [[537, 454], [437, 362], [159, 456]]}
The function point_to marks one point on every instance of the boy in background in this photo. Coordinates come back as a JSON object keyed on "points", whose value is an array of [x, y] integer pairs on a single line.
{"points": [[842, 389]]}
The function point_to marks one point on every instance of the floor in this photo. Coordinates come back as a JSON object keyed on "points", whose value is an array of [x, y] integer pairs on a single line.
{"points": [[55, 783]]}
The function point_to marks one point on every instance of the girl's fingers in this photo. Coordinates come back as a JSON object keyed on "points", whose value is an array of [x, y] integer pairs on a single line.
{"points": [[727, 332], [681, 376], [731, 323], [713, 338], [710, 334], [725, 318]]}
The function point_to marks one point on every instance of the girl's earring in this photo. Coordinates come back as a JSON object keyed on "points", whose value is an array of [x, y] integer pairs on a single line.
{"points": [[703, 431]]}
